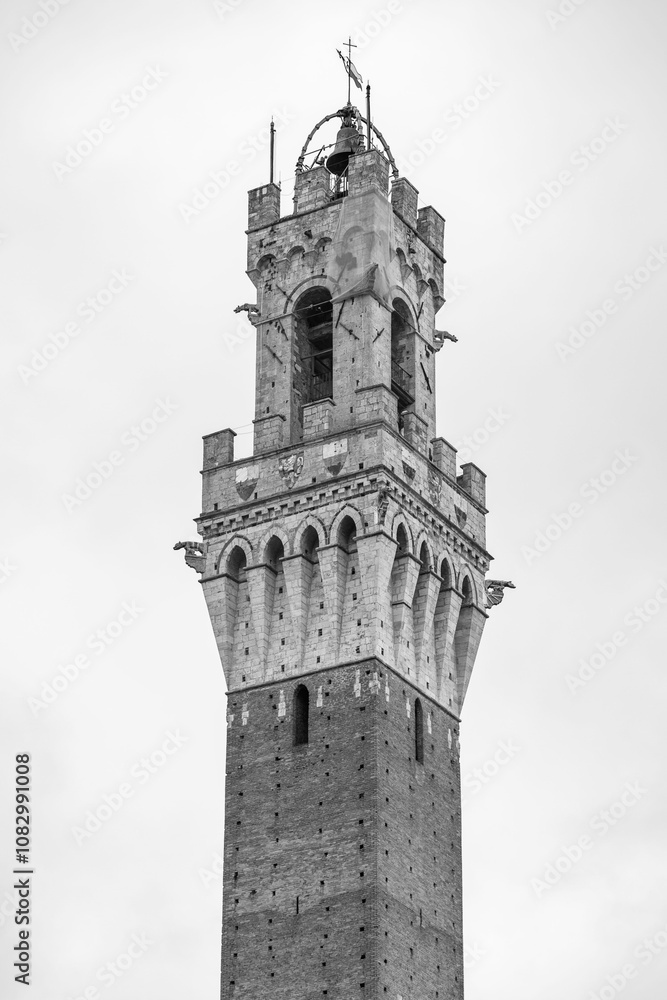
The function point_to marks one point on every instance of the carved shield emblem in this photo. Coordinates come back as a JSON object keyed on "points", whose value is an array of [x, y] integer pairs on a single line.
{"points": [[246, 481], [290, 468], [334, 454]]}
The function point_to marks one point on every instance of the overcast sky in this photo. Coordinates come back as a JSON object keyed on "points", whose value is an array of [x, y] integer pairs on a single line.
{"points": [[541, 138]]}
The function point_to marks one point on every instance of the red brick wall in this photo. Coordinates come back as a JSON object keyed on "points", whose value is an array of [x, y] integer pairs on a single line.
{"points": [[360, 753]]}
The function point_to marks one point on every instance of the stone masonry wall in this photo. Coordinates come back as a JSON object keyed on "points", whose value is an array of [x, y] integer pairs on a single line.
{"points": [[290, 255]]}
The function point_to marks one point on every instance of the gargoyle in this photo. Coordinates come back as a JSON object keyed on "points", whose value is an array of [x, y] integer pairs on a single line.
{"points": [[248, 307], [194, 554], [495, 591], [440, 336]]}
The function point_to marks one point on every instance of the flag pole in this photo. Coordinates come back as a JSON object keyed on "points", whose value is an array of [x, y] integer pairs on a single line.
{"points": [[348, 69], [271, 151], [368, 114]]}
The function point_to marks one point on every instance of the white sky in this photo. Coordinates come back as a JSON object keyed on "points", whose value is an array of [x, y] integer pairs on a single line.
{"points": [[515, 291]]}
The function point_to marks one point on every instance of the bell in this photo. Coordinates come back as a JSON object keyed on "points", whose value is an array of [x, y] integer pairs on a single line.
{"points": [[347, 142]]}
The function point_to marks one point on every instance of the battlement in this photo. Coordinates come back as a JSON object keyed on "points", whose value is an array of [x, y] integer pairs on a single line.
{"points": [[409, 518], [230, 483]]}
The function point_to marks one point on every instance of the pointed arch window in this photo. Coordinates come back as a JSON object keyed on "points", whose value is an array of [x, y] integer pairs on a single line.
{"points": [[301, 699], [403, 347], [314, 345], [419, 732]]}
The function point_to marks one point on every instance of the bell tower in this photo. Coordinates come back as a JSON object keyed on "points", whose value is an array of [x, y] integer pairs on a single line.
{"points": [[343, 566]]}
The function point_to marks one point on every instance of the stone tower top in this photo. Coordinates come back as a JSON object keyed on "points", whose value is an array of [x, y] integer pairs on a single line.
{"points": [[346, 463], [348, 287]]}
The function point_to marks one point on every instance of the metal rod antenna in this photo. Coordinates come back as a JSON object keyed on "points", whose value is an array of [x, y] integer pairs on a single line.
{"points": [[271, 149], [368, 114]]}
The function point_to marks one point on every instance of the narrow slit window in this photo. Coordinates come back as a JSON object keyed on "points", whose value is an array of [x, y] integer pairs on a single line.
{"points": [[301, 715], [419, 732]]}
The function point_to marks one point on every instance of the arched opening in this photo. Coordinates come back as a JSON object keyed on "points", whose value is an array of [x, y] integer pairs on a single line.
{"points": [[301, 699], [402, 356], [347, 533], [273, 608], [314, 346], [422, 610], [237, 619], [419, 732], [236, 564], [402, 539], [345, 608], [445, 573], [274, 552], [266, 265], [401, 584], [442, 626], [309, 543], [311, 627], [397, 580], [462, 637]]}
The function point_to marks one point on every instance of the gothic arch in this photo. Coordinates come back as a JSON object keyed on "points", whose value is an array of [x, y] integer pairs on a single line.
{"points": [[398, 522], [297, 251], [423, 611], [236, 563], [266, 261], [349, 510], [465, 573], [396, 292], [311, 521], [343, 566], [421, 282], [403, 263], [309, 542], [313, 342], [347, 534], [322, 243], [422, 545], [311, 281], [438, 300], [238, 541], [446, 570], [274, 551], [274, 531], [350, 235]]}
